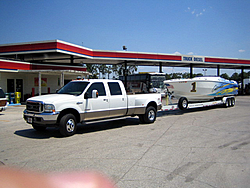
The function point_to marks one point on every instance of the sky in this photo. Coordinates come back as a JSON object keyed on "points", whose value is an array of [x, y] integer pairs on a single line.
{"points": [[217, 28]]}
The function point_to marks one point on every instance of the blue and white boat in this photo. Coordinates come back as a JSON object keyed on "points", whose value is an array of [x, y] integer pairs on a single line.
{"points": [[202, 88]]}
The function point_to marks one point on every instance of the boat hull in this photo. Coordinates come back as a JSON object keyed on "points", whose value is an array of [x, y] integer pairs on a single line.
{"points": [[202, 88]]}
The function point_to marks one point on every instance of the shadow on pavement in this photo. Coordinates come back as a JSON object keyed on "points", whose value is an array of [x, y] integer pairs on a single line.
{"points": [[96, 127], [81, 129], [190, 110]]}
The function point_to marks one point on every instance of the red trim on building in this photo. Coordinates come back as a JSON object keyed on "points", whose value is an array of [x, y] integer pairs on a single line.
{"points": [[14, 65], [5, 64], [28, 47], [57, 45], [223, 60], [64, 46], [74, 49], [136, 55], [170, 57]]}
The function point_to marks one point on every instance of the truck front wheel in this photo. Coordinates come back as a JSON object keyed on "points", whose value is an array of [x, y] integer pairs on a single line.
{"points": [[149, 116], [67, 125]]}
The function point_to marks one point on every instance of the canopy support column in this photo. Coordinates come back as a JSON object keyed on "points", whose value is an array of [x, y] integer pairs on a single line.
{"points": [[160, 67], [125, 74], [191, 70], [39, 83], [62, 79], [218, 70], [72, 59], [242, 80]]}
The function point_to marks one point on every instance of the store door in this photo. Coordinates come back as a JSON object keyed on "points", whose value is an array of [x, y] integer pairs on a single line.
{"points": [[10, 86], [19, 87]]}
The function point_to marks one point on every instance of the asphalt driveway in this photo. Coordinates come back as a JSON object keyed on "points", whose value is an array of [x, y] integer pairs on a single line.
{"points": [[208, 147]]}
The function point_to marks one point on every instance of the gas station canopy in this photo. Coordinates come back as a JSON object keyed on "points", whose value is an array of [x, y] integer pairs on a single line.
{"points": [[60, 52]]}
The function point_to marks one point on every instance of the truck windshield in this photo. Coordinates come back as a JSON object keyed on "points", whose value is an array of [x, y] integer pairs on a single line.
{"points": [[73, 88]]}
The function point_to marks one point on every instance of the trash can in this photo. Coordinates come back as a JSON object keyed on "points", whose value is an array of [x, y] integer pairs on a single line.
{"points": [[10, 97], [18, 97]]}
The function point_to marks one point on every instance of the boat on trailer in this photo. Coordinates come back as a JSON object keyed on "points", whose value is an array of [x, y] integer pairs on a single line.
{"points": [[201, 89]]}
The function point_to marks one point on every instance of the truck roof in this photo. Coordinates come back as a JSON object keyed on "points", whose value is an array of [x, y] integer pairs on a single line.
{"points": [[97, 80]]}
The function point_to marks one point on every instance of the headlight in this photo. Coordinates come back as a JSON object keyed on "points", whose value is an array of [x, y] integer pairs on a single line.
{"points": [[49, 108]]}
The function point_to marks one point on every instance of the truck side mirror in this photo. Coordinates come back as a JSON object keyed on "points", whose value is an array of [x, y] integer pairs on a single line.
{"points": [[94, 93]]}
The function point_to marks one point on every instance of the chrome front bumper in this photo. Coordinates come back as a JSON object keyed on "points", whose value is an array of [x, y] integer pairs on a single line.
{"points": [[40, 118]]}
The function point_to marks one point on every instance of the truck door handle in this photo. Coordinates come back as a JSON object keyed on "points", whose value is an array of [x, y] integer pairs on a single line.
{"points": [[79, 102], [106, 100]]}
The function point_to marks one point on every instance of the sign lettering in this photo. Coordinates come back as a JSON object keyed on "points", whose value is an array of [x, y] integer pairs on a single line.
{"points": [[187, 58], [198, 59], [194, 59]]}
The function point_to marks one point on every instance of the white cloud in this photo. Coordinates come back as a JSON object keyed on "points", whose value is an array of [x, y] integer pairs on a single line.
{"points": [[195, 12], [177, 53], [241, 51], [190, 53], [199, 14]]}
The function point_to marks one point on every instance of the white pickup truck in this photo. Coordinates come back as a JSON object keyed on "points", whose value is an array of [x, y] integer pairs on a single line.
{"points": [[81, 101], [3, 101]]}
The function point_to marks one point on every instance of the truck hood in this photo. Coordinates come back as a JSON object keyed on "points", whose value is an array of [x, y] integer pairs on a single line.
{"points": [[52, 98]]}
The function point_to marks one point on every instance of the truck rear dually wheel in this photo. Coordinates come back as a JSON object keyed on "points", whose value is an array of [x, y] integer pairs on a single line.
{"points": [[68, 125], [149, 116]]}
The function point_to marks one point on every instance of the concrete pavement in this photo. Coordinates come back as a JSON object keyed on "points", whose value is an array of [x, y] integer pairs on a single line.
{"points": [[207, 147]]}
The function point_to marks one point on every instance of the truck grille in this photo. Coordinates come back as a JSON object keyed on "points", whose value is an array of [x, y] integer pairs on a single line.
{"points": [[34, 106]]}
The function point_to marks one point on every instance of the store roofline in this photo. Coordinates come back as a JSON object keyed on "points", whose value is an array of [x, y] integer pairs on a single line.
{"points": [[58, 51]]}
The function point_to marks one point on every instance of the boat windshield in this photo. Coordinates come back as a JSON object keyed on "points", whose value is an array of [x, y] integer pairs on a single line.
{"points": [[157, 81], [73, 88]]}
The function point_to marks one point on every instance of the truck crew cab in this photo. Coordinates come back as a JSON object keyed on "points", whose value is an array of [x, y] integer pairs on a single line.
{"points": [[82, 101]]}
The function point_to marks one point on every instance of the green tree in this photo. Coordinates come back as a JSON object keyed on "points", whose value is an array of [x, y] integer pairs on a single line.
{"points": [[103, 69], [248, 74], [119, 69], [92, 68], [168, 77], [197, 75], [186, 75], [235, 76], [109, 70], [176, 75], [115, 69], [225, 75], [245, 75]]}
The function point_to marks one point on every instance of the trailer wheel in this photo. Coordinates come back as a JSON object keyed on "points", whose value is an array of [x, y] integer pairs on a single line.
{"points": [[149, 116], [228, 102], [183, 103], [67, 125], [232, 101]]}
